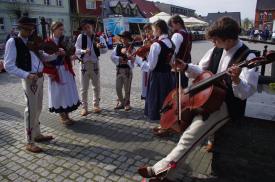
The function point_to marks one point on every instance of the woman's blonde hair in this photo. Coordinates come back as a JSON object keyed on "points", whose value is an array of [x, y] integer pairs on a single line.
{"points": [[56, 25]]}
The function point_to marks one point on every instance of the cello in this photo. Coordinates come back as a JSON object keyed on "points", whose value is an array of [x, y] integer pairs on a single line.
{"points": [[204, 96]]}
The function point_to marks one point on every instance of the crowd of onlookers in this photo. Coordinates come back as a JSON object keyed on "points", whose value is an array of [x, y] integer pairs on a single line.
{"points": [[256, 34]]}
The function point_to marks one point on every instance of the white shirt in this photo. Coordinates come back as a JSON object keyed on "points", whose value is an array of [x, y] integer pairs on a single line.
{"points": [[153, 56], [249, 77], [177, 39], [116, 58], [79, 51], [10, 60]]}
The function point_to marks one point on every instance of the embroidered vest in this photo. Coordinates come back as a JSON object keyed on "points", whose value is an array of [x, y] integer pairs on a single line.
{"points": [[184, 52]]}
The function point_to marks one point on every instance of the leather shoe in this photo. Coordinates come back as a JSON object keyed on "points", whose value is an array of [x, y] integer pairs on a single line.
{"points": [[43, 138], [84, 112], [33, 148], [97, 109], [161, 132], [146, 172]]}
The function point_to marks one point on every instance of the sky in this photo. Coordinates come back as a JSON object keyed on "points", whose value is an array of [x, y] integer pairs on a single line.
{"points": [[202, 7]]}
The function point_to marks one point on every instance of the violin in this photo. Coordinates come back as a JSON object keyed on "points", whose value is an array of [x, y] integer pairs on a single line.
{"points": [[36, 43], [204, 96], [143, 51]]}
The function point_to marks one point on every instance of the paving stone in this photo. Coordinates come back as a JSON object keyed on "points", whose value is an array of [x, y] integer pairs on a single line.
{"points": [[81, 179], [58, 178], [99, 178], [89, 175], [34, 177], [42, 180], [73, 175], [12, 176], [58, 170]]}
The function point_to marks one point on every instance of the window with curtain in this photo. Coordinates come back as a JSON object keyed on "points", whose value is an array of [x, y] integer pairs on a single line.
{"points": [[59, 2], [47, 2]]}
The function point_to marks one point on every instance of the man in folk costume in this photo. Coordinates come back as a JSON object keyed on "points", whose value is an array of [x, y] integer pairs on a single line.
{"points": [[240, 84], [21, 61], [88, 50], [158, 63], [63, 95], [121, 57]]}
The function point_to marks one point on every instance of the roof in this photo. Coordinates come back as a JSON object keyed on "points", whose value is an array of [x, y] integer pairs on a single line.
{"points": [[212, 17], [265, 5], [113, 3], [147, 8]]}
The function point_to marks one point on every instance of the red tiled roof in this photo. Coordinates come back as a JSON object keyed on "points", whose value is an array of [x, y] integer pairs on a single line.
{"points": [[147, 8]]}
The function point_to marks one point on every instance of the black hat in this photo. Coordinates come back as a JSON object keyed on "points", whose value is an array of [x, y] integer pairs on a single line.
{"points": [[126, 34], [87, 21], [25, 22]]}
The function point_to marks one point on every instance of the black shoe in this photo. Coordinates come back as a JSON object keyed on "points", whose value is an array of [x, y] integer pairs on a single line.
{"points": [[142, 98], [118, 107]]}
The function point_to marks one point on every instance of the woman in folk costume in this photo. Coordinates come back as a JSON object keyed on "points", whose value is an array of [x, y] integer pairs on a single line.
{"points": [[149, 39], [63, 95], [158, 63]]}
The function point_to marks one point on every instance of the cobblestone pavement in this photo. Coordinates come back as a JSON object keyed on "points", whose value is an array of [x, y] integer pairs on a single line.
{"points": [[100, 147]]}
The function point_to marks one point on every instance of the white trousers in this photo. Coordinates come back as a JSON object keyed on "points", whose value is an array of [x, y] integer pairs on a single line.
{"points": [[33, 98], [89, 71], [196, 133]]}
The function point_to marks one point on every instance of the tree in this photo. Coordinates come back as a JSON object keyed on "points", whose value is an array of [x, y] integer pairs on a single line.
{"points": [[247, 23]]}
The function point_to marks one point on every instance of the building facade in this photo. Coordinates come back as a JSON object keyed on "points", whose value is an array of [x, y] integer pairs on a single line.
{"points": [[81, 9], [212, 17], [121, 15], [173, 9], [52, 10], [265, 14], [147, 8]]}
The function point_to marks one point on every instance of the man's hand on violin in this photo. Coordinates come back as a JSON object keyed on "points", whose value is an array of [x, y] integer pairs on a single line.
{"points": [[87, 51], [234, 73], [32, 76], [100, 45], [60, 52]]}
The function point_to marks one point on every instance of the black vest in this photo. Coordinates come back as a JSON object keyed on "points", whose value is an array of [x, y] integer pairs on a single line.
{"points": [[23, 56], [236, 106], [184, 52], [85, 43], [118, 53], [164, 58]]}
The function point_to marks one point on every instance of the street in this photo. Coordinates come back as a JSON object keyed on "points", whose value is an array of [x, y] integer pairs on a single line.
{"points": [[100, 147]]}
